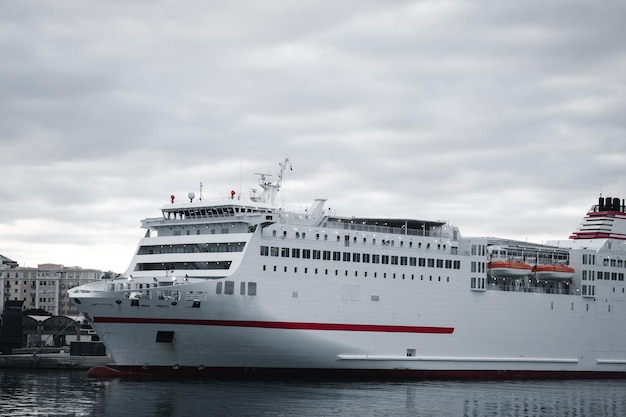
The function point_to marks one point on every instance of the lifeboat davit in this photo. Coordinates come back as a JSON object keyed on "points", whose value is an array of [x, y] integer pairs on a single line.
{"points": [[509, 269], [553, 272]]}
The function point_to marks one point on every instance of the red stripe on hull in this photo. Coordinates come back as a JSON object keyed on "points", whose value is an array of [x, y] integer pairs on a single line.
{"points": [[188, 371], [280, 325]]}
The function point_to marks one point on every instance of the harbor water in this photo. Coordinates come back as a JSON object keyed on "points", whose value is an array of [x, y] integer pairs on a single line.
{"points": [[72, 393]]}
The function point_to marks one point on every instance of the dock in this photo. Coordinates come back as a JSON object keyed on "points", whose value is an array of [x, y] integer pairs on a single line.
{"points": [[53, 361]]}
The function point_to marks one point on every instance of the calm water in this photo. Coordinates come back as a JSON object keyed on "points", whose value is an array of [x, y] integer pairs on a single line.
{"points": [[71, 393]]}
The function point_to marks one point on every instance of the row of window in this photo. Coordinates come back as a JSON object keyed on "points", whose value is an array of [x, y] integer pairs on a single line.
{"points": [[167, 266], [346, 239], [477, 283], [33, 283], [393, 275], [229, 288], [607, 276], [590, 259], [192, 248], [198, 232], [359, 257]]}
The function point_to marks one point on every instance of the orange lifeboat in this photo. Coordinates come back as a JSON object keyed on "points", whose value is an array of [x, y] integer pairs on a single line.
{"points": [[509, 269], [553, 272]]}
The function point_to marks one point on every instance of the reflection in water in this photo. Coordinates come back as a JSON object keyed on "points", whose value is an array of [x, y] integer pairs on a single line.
{"points": [[71, 393], [47, 393]]}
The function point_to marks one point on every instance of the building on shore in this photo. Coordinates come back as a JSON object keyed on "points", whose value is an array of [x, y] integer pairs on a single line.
{"points": [[44, 287]]}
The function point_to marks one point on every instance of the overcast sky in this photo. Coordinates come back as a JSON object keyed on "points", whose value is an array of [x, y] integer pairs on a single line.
{"points": [[506, 118]]}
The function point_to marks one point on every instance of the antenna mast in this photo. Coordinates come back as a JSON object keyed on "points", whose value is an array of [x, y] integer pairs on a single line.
{"points": [[269, 188]]}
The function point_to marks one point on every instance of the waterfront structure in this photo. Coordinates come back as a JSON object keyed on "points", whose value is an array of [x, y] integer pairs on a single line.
{"points": [[246, 286], [44, 287]]}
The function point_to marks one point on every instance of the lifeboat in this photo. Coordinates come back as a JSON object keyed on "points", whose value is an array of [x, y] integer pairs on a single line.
{"points": [[553, 272], [509, 269]]}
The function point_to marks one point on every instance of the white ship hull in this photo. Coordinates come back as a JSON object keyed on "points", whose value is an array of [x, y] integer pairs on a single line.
{"points": [[321, 294]]}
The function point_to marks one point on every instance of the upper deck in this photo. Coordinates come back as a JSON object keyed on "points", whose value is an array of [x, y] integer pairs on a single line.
{"points": [[605, 220]]}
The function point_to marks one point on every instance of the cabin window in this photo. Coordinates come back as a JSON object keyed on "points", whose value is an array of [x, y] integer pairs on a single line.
{"points": [[252, 288], [218, 288], [242, 288], [385, 259], [295, 253], [229, 287], [477, 283]]}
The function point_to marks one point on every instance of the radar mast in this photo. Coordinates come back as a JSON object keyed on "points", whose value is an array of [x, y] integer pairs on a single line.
{"points": [[270, 189]]}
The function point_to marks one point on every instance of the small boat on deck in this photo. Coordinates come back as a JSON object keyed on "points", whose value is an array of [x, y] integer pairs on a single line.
{"points": [[509, 269], [553, 272]]}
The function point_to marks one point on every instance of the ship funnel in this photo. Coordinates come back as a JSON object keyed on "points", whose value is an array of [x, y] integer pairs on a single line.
{"points": [[601, 204]]}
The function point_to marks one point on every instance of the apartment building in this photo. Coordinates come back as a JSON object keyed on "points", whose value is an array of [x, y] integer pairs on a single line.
{"points": [[44, 287]]}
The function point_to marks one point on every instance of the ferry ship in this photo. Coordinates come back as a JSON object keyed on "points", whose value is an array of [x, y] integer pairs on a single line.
{"points": [[248, 287]]}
